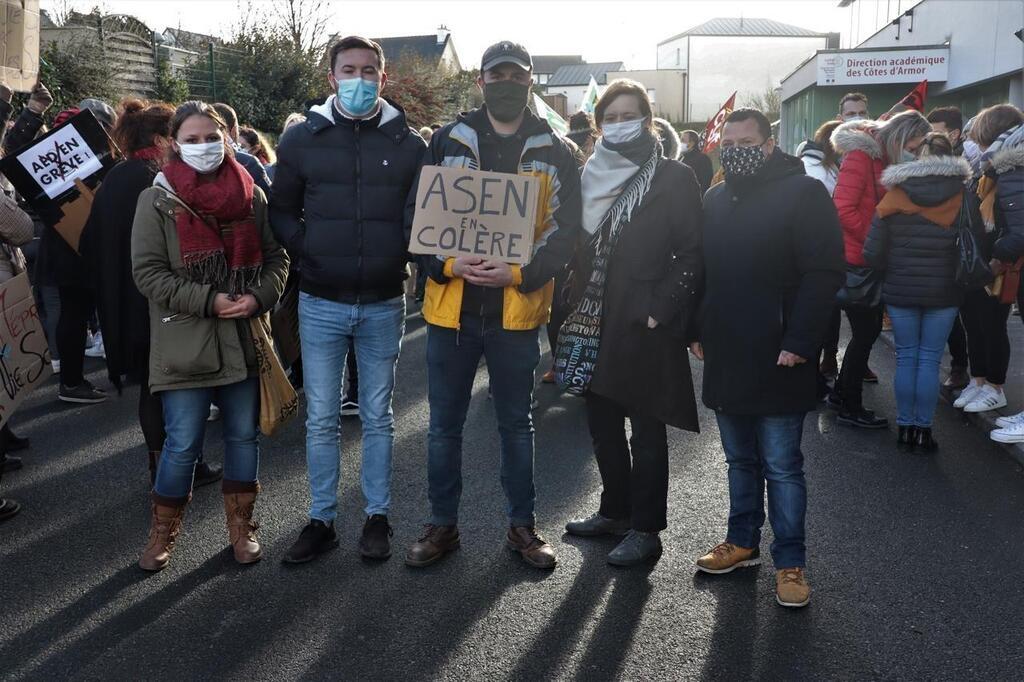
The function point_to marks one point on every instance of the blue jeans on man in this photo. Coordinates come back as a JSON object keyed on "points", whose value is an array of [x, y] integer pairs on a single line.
{"points": [[920, 335], [328, 329], [453, 357], [185, 415], [760, 449]]}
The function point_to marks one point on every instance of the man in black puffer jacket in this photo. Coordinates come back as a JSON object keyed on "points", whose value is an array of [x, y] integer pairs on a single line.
{"points": [[337, 205]]}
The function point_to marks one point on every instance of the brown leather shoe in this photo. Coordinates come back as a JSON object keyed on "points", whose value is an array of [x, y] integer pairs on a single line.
{"points": [[435, 543], [238, 510], [163, 531], [533, 548], [791, 588], [726, 557]]}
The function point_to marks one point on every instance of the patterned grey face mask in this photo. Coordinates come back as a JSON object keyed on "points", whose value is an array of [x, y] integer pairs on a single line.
{"points": [[742, 161]]}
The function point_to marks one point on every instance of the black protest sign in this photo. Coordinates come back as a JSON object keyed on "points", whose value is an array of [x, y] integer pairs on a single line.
{"points": [[463, 212], [58, 173]]}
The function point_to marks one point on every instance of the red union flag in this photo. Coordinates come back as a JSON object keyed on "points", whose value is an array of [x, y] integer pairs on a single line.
{"points": [[713, 132], [915, 100]]}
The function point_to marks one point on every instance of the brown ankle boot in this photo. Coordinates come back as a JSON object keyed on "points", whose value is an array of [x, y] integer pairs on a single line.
{"points": [[239, 501], [163, 531]]}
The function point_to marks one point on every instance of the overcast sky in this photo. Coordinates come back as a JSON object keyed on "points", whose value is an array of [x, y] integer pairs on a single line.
{"points": [[600, 30]]}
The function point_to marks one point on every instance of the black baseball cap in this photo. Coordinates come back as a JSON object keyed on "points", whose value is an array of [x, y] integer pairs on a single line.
{"points": [[506, 52]]}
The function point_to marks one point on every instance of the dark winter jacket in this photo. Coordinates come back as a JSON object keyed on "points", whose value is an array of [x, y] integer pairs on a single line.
{"points": [[654, 271], [913, 236], [1008, 165], [526, 304], [106, 247], [859, 185], [701, 165], [338, 202], [773, 258], [256, 170]]}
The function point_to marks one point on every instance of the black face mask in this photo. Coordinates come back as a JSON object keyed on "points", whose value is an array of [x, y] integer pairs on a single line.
{"points": [[505, 100]]}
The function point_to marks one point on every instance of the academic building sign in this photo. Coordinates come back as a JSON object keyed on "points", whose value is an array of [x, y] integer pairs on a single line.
{"points": [[883, 66]]}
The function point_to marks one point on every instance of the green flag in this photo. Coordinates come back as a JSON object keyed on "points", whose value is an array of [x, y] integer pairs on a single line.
{"points": [[590, 97], [557, 123]]}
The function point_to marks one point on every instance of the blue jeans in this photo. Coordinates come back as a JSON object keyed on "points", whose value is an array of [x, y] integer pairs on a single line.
{"points": [[766, 448], [453, 357], [328, 330], [185, 413], [921, 335]]}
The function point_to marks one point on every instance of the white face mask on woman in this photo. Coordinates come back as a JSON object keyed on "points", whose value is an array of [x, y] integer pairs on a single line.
{"points": [[626, 131], [203, 157]]}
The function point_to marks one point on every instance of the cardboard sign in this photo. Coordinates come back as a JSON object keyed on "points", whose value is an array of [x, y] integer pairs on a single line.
{"points": [[463, 212], [58, 173], [24, 355], [19, 43]]}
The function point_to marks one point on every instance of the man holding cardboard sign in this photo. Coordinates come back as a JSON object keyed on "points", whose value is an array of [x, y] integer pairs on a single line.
{"points": [[497, 207]]}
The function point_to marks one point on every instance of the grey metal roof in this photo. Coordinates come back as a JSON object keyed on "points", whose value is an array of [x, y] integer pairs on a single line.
{"points": [[550, 63], [579, 74], [742, 26], [424, 47]]}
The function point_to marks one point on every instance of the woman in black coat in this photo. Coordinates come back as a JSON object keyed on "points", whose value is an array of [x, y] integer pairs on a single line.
{"points": [[649, 208], [913, 241]]}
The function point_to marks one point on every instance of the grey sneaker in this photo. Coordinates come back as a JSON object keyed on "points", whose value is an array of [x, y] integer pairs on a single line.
{"points": [[636, 548], [82, 393], [596, 525]]}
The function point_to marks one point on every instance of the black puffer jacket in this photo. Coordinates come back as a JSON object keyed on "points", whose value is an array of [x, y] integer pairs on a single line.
{"points": [[913, 235], [1008, 166], [773, 262], [338, 201]]}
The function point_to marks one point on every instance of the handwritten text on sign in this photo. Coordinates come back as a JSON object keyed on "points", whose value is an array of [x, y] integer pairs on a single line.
{"points": [[24, 355], [462, 212], [56, 161]]}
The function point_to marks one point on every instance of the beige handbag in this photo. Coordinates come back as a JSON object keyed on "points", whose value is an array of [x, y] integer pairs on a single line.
{"points": [[278, 400]]}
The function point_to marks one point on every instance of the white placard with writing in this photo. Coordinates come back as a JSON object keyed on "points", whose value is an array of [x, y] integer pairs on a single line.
{"points": [[56, 161], [883, 66]]}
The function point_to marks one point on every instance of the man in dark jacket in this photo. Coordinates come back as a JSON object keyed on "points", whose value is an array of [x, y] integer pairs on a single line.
{"points": [[487, 308], [774, 261], [697, 160], [338, 205], [248, 161]]}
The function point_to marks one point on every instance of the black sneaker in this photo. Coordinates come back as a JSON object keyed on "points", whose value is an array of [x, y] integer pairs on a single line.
{"points": [[315, 539], [349, 407], [376, 540], [16, 443], [863, 419], [834, 402], [207, 474], [11, 463], [83, 393], [8, 508]]}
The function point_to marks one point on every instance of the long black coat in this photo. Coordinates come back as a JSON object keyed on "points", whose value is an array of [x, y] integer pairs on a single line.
{"points": [[773, 257], [653, 272], [338, 202], [918, 256], [106, 250]]}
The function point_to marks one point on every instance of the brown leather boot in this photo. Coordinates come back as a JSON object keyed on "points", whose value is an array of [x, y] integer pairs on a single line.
{"points": [[239, 501], [163, 531], [534, 549], [435, 543]]}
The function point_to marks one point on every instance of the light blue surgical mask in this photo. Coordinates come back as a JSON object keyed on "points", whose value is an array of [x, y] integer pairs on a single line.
{"points": [[358, 96]]}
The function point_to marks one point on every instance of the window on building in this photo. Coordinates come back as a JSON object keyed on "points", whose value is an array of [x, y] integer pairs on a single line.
{"points": [[542, 78]]}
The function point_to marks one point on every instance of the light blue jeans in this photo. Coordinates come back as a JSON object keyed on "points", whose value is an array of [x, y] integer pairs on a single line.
{"points": [[328, 330], [920, 335]]}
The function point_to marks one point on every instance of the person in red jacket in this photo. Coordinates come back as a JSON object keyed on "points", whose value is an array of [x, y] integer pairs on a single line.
{"points": [[867, 147]]}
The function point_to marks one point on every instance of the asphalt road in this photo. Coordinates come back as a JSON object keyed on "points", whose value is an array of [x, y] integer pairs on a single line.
{"points": [[915, 563]]}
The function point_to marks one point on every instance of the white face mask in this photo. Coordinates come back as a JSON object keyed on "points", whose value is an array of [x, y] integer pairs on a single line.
{"points": [[204, 157], [626, 131]]}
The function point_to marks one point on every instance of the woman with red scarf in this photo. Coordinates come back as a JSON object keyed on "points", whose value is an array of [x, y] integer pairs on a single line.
{"points": [[204, 257]]}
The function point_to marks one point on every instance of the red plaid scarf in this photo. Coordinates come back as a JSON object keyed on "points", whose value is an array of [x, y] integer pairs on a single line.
{"points": [[224, 247]]}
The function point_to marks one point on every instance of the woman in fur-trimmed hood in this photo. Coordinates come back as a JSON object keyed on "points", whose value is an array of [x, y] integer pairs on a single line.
{"points": [[669, 138], [913, 241]]}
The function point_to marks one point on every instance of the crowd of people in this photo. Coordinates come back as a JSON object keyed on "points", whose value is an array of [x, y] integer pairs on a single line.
{"points": [[642, 263]]}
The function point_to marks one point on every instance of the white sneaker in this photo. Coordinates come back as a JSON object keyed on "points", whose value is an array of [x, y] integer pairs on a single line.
{"points": [[97, 350], [967, 395], [1004, 422], [214, 413], [988, 398], [1009, 434], [55, 365]]}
